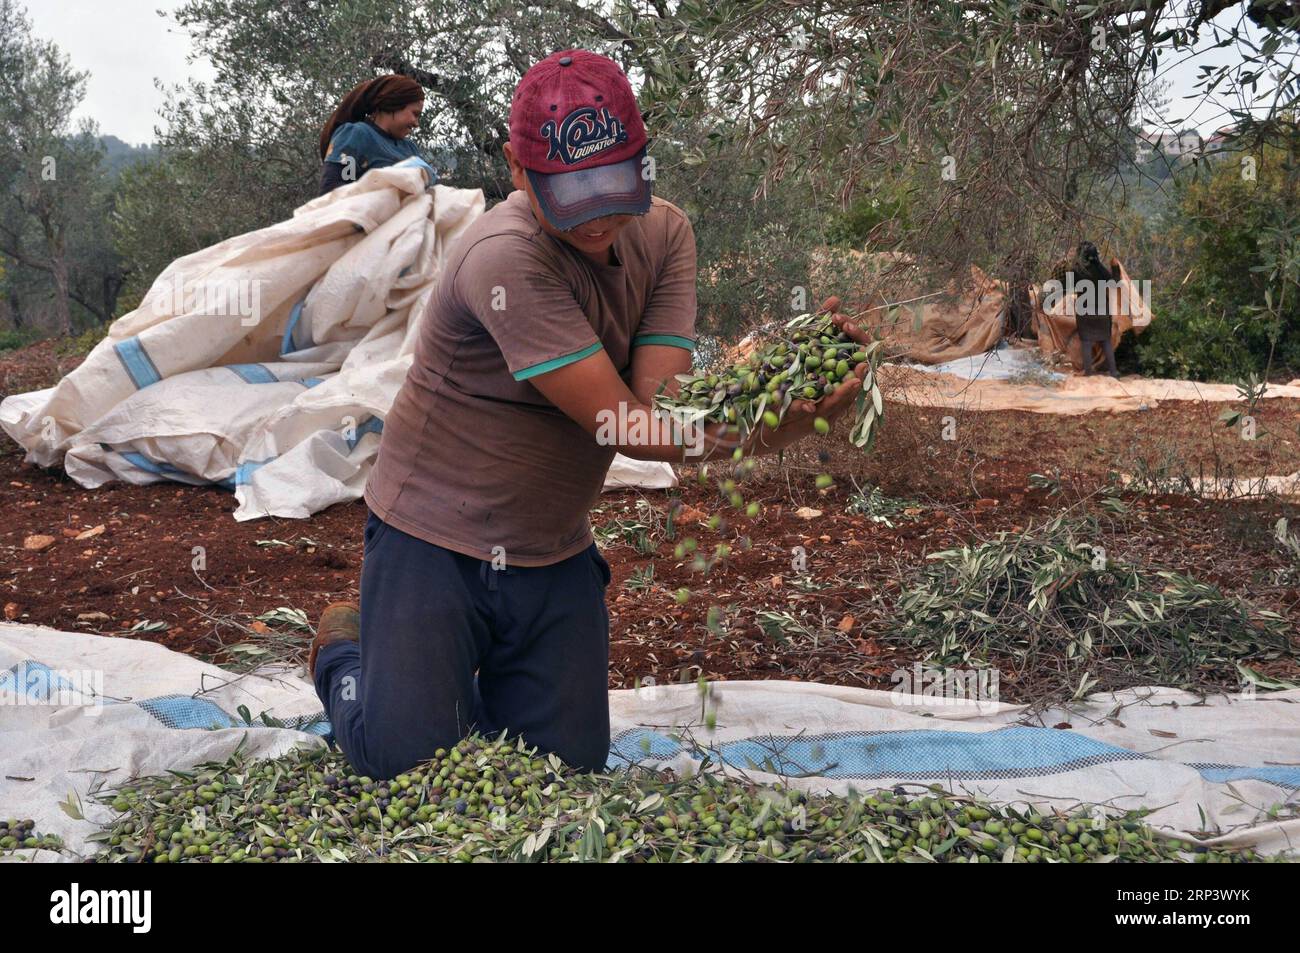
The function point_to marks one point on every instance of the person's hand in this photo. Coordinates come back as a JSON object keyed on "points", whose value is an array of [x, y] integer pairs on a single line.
{"points": [[799, 418]]}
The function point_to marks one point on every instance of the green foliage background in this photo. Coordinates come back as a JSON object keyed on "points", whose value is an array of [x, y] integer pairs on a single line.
{"points": [[776, 152]]}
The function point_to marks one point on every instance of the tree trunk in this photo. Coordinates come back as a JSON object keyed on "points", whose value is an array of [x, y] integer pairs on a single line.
{"points": [[15, 310], [59, 273], [62, 308]]}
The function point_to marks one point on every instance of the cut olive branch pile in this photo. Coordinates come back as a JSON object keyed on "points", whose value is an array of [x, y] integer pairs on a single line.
{"points": [[808, 362], [1038, 598], [498, 800]]}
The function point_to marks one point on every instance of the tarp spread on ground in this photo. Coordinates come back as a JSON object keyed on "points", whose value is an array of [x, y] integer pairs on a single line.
{"points": [[1000, 363], [1285, 486], [267, 363], [1215, 765], [1070, 395]]}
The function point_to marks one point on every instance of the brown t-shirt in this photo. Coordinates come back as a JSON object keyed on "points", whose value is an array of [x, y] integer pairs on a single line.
{"points": [[473, 457]]}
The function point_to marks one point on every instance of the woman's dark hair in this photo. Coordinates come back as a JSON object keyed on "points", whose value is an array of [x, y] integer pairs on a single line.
{"points": [[381, 94]]}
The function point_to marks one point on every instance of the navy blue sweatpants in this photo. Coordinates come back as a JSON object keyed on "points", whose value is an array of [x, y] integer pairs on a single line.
{"points": [[431, 618]]}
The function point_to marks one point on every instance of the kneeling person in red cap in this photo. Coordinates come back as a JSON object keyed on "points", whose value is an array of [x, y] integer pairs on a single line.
{"points": [[565, 306]]}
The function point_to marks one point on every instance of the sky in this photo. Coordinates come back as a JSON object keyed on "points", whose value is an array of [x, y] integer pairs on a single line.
{"points": [[126, 45]]}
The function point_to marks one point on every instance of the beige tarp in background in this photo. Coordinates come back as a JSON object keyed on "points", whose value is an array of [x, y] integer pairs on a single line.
{"points": [[888, 293], [1058, 338]]}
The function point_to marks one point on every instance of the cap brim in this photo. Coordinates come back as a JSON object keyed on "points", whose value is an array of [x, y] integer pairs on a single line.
{"points": [[570, 198]]}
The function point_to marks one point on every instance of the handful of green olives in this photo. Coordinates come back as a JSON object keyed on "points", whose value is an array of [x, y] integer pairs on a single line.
{"points": [[808, 362]]}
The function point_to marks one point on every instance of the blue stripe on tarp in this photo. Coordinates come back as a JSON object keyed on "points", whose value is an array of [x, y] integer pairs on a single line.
{"points": [[184, 712], [35, 680], [1287, 776], [371, 425], [286, 344], [254, 373], [144, 463], [165, 470], [1001, 753], [244, 474], [310, 382], [924, 755], [139, 365]]}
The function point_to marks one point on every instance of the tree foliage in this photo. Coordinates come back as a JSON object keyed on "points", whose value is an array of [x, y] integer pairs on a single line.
{"points": [[54, 201], [1229, 306]]}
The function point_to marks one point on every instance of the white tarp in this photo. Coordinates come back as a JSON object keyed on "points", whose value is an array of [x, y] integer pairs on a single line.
{"points": [[1231, 758], [1001, 363], [266, 363]]}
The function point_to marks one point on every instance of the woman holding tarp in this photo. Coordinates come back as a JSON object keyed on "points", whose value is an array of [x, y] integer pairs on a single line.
{"points": [[369, 130]]}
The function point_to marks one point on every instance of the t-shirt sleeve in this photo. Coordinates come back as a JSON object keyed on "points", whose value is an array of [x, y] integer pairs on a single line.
{"points": [[669, 315], [350, 142], [528, 309]]}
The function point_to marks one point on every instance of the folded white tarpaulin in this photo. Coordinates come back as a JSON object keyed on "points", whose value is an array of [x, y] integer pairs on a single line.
{"points": [[1227, 765], [266, 363]]}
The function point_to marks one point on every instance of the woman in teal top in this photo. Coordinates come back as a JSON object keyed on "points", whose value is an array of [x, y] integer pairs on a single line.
{"points": [[369, 130]]}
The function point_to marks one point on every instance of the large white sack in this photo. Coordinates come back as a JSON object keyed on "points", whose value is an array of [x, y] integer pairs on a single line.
{"points": [[267, 363]]}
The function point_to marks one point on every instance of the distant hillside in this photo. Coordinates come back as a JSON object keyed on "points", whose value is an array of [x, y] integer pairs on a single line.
{"points": [[119, 155]]}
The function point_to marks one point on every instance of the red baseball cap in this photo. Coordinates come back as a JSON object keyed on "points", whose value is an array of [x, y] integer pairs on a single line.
{"points": [[577, 130]]}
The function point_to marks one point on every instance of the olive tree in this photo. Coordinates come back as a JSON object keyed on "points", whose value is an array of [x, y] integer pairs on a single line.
{"points": [[54, 200], [1000, 125]]}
